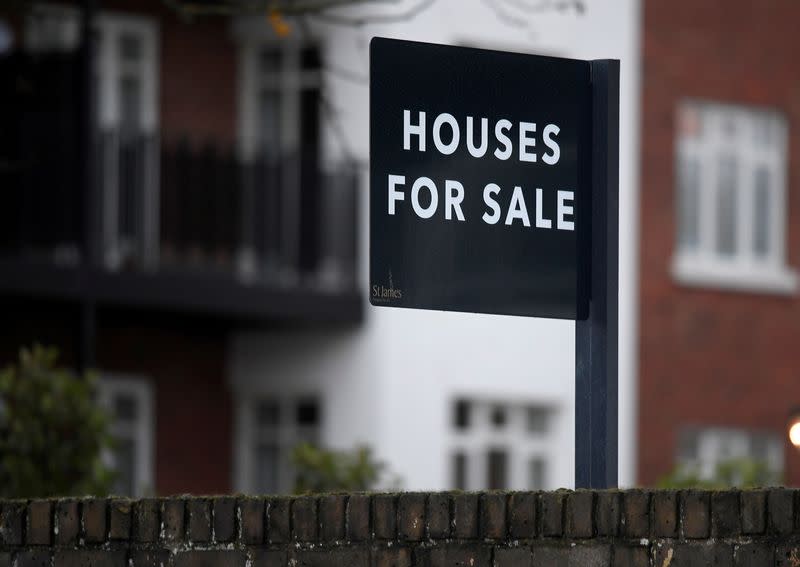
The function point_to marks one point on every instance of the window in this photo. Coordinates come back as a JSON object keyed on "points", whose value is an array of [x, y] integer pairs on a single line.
{"points": [[279, 131], [126, 77], [704, 450], [269, 429], [731, 198], [500, 445], [129, 402]]}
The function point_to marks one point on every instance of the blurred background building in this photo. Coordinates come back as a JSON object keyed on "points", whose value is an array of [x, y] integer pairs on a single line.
{"points": [[720, 225], [182, 209]]}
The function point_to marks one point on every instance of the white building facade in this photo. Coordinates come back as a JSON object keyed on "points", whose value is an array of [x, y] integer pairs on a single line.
{"points": [[446, 400]]}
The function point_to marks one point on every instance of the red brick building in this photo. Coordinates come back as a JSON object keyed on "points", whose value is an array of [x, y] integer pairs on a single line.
{"points": [[139, 248], [720, 225]]}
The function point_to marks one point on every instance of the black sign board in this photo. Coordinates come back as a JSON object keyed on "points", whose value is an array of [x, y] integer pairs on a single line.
{"points": [[479, 180], [495, 189]]}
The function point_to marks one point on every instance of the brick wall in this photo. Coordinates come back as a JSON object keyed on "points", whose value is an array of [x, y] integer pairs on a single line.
{"points": [[711, 357], [555, 529]]}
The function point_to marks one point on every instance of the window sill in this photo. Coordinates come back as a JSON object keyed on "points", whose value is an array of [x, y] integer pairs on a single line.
{"points": [[756, 279]]}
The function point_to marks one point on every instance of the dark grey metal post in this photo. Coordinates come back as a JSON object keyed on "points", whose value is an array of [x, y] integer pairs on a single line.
{"points": [[596, 337]]}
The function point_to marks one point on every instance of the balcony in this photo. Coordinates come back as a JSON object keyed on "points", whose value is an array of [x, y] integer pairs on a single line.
{"points": [[173, 227]]}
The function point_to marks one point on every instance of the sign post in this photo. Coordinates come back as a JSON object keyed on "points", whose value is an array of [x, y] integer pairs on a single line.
{"points": [[596, 337], [493, 189]]}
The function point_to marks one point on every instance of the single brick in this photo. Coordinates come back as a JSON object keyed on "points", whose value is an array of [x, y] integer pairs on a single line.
{"points": [[268, 558], [278, 524], [199, 518], [706, 554], [119, 522], [626, 556], [95, 516], [173, 513], [695, 514], [210, 558], [579, 514], [336, 557], [606, 513], [438, 514], [725, 520], [357, 526], [411, 516], [384, 516], [780, 510], [90, 557], [465, 516], [34, 558], [304, 518], [476, 555], [754, 511], [224, 518], [753, 555], [40, 522], [665, 513], [522, 515], [145, 520], [149, 558], [332, 510], [512, 557], [572, 556], [252, 514], [392, 557], [493, 516], [552, 506], [67, 522], [635, 519]]}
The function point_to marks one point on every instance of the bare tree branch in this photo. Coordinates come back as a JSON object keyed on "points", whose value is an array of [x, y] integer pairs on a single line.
{"points": [[404, 16]]}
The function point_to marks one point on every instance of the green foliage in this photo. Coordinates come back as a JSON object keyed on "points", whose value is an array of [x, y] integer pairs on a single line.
{"points": [[743, 473], [52, 433], [322, 470]]}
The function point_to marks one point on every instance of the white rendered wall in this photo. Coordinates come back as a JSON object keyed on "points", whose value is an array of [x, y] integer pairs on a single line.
{"points": [[391, 383]]}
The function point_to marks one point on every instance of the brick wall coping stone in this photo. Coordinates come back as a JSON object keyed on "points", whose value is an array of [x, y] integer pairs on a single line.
{"points": [[627, 528]]}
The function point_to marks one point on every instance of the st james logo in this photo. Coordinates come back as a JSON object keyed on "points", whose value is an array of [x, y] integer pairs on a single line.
{"points": [[384, 294]]}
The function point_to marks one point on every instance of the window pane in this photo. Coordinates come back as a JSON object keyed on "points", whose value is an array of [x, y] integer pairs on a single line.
{"points": [[130, 47], [267, 465], [537, 418], [130, 104], [499, 416], [761, 207], [537, 474], [124, 462], [726, 204], [497, 469], [268, 414], [307, 413], [126, 408], [459, 471], [461, 417], [309, 58], [270, 60], [688, 203], [269, 126]]}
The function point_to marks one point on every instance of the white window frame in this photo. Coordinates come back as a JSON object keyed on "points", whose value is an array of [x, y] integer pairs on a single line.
{"points": [[109, 70], [143, 432], [253, 36], [712, 440], [287, 437], [520, 445], [743, 270]]}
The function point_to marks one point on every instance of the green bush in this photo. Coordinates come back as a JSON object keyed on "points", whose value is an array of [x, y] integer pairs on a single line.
{"points": [[52, 433], [321, 470], [742, 473]]}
